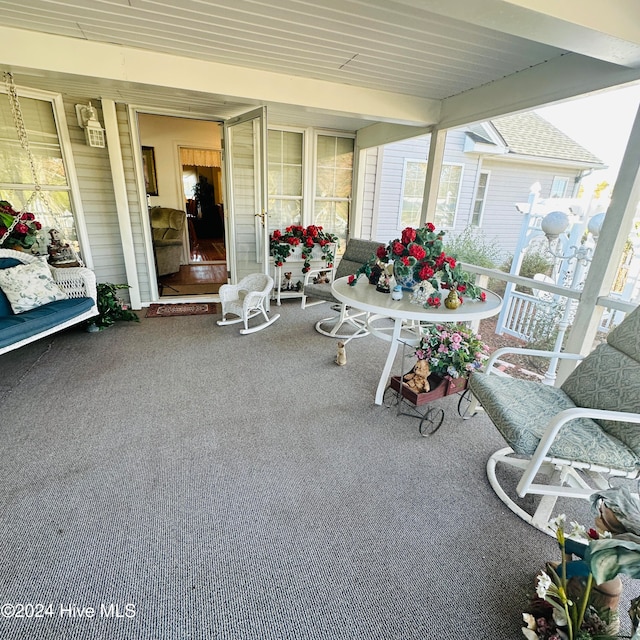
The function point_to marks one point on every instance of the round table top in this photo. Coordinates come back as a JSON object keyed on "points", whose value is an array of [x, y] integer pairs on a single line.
{"points": [[364, 296]]}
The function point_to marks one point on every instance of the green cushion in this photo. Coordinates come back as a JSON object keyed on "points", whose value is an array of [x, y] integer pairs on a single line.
{"points": [[521, 410], [608, 379]]}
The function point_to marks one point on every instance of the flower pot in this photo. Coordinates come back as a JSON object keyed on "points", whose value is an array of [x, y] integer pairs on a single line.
{"points": [[440, 387], [407, 282]]}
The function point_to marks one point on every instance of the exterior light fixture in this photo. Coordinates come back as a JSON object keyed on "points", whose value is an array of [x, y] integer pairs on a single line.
{"points": [[88, 120], [554, 224]]}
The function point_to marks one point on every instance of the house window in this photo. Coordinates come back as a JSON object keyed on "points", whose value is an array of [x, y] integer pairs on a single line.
{"points": [[448, 195], [413, 178], [333, 181], [479, 200], [53, 209], [559, 187], [285, 178]]}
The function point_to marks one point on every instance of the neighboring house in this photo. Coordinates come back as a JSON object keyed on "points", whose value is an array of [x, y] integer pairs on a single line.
{"points": [[487, 169]]}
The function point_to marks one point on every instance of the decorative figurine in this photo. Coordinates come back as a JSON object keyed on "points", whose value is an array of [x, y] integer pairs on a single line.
{"points": [[341, 358], [421, 292]]}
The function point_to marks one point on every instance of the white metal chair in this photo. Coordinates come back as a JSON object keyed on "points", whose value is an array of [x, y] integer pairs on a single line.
{"points": [[356, 253], [568, 440], [246, 300]]}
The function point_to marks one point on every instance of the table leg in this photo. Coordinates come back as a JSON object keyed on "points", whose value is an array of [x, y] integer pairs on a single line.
{"points": [[391, 356]]}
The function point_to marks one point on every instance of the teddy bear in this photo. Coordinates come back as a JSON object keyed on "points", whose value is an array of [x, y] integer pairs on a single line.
{"points": [[287, 283], [418, 379], [321, 278]]}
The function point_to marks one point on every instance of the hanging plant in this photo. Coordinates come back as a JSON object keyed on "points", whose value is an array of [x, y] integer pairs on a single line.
{"points": [[18, 230]]}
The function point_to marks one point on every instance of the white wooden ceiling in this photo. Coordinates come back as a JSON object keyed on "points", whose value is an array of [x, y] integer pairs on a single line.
{"points": [[428, 49]]}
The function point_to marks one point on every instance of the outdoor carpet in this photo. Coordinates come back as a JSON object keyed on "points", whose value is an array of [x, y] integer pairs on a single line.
{"points": [[184, 309]]}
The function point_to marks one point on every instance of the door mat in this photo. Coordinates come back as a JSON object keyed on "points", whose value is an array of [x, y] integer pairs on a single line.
{"points": [[169, 289], [184, 309]]}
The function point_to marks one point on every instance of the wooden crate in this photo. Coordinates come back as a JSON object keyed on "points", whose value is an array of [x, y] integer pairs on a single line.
{"points": [[440, 387]]}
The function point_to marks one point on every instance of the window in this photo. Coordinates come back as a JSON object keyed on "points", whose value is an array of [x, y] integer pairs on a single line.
{"points": [[479, 200], [559, 187], [334, 175], [415, 172], [448, 193], [53, 209], [285, 178]]}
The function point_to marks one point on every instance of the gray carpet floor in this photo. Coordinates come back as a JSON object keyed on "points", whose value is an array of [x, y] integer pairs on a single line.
{"points": [[184, 481]]}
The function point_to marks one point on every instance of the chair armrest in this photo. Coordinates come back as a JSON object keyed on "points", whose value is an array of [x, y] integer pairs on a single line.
{"points": [[312, 272], [540, 353], [76, 282], [553, 428]]}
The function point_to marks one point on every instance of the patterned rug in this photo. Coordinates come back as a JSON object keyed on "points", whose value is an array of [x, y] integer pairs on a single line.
{"points": [[184, 309]]}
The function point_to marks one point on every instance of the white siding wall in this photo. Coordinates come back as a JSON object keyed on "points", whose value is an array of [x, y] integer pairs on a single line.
{"points": [[509, 184], [98, 200]]}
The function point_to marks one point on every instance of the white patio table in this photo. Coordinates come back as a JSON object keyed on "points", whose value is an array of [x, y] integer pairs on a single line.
{"points": [[364, 296]]}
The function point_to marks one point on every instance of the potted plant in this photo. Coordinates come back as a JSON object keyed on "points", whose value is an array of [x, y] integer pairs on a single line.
{"points": [[577, 599], [18, 231], [110, 307], [419, 260], [283, 244], [452, 352]]}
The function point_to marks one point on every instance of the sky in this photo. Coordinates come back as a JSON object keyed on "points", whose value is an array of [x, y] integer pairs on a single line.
{"points": [[601, 123]]}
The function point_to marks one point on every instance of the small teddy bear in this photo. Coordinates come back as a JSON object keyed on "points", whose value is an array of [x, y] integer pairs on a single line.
{"points": [[341, 357], [287, 282], [321, 278], [418, 379]]}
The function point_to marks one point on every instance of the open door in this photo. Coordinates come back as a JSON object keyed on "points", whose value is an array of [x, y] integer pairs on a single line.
{"points": [[245, 144]]}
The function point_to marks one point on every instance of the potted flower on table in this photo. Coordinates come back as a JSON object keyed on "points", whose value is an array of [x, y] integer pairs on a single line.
{"points": [[419, 260], [283, 243]]}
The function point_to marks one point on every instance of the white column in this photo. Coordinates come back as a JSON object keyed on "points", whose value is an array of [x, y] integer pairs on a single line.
{"points": [[613, 235], [432, 179]]}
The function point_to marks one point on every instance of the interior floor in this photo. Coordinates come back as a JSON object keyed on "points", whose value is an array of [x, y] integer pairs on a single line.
{"points": [[206, 273]]}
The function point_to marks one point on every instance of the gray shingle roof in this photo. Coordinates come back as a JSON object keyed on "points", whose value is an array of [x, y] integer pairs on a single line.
{"points": [[529, 134]]}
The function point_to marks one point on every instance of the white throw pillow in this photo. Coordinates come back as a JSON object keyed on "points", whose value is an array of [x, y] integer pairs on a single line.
{"points": [[28, 286]]}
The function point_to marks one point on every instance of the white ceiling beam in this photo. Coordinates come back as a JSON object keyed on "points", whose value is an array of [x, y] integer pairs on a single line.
{"points": [[58, 54], [607, 31], [559, 79], [378, 134]]}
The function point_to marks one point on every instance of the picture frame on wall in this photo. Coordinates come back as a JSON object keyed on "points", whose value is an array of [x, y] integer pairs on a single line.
{"points": [[149, 169]]}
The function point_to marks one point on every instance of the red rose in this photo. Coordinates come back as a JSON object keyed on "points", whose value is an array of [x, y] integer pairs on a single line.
{"points": [[309, 241], [408, 235], [418, 252], [398, 248], [277, 234], [21, 228], [405, 261], [279, 263], [351, 279], [37, 225], [452, 262], [27, 216], [381, 252], [431, 226]]}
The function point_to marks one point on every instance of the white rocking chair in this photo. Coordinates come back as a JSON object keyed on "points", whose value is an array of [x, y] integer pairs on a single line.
{"points": [[246, 300]]}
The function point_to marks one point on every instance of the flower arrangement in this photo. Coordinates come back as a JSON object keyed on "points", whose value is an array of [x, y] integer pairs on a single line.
{"points": [[17, 230], [453, 350], [567, 605], [418, 256], [281, 244]]}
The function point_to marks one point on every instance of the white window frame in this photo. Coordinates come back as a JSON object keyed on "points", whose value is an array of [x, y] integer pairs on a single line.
{"points": [[556, 181], [457, 195], [480, 214], [314, 175], [72, 187], [422, 161]]}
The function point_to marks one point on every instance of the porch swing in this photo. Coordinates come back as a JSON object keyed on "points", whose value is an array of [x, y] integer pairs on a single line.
{"points": [[37, 299]]}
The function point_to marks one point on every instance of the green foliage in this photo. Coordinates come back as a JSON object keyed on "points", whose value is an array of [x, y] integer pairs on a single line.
{"points": [[472, 246], [110, 306]]}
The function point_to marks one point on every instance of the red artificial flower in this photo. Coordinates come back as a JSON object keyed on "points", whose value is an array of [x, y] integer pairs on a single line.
{"points": [[483, 296], [398, 248], [277, 234], [426, 272], [417, 251], [351, 279], [431, 226], [433, 301], [593, 534], [279, 263], [405, 261], [309, 241], [381, 252], [408, 235], [27, 216], [21, 228], [462, 288]]}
